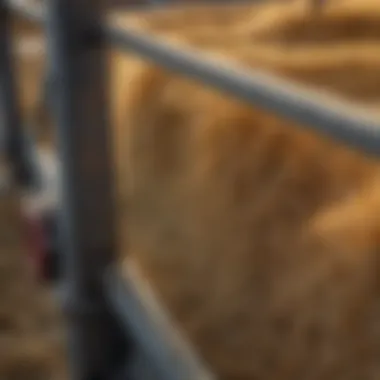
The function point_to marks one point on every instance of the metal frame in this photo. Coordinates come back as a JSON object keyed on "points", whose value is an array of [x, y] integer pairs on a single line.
{"points": [[97, 299]]}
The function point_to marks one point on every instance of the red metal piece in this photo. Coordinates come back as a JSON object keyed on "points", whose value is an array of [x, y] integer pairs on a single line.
{"points": [[36, 244]]}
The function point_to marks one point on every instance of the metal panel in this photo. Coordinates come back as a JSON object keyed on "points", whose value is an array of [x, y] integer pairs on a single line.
{"points": [[87, 210]]}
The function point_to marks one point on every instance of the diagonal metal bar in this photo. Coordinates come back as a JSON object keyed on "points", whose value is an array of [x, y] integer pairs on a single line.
{"points": [[339, 120], [344, 122], [172, 358]]}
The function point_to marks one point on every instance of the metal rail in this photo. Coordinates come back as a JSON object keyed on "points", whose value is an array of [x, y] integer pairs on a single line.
{"points": [[337, 119], [87, 225], [340, 120], [76, 40], [162, 345]]}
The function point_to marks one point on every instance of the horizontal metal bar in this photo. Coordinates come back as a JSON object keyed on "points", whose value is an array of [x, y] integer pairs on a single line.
{"points": [[339, 120], [163, 346]]}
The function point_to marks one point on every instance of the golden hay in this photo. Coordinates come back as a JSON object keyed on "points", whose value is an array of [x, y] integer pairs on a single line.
{"points": [[259, 236], [31, 334], [249, 227]]}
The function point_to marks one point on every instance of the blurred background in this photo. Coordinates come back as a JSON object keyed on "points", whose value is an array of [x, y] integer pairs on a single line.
{"points": [[32, 340]]}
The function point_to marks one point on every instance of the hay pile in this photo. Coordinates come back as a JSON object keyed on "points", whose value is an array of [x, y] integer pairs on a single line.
{"points": [[31, 334], [259, 236]]}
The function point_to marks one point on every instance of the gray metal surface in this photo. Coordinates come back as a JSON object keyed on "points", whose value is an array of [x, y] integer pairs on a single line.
{"points": [[164, 350], [344, 122], [87, 212]]}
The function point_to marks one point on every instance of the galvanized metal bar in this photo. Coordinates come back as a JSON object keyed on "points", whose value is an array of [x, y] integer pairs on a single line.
{"points": [[13, 141], [162, 345], [339, 120], [87, 210], [344, 122]]}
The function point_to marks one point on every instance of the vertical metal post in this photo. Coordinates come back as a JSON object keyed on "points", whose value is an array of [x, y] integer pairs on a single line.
{"points": [[11, 133], [87, 220]]}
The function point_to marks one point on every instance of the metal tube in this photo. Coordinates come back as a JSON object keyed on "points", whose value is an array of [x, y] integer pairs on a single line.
{"points": [[325, 114], [12, 139], [86, 216], [162, 345], [344, 122]]}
